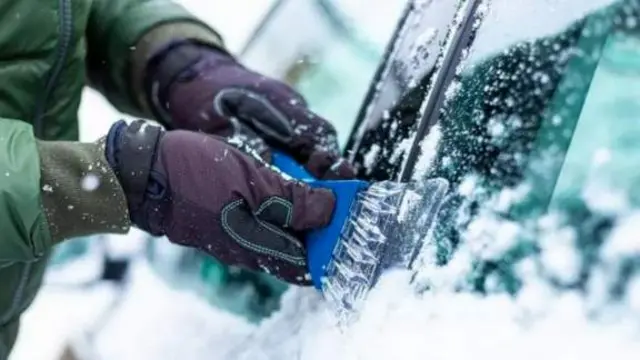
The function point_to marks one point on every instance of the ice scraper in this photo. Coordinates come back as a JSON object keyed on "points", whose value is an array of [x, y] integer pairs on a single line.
{"points": [[375, 227]]}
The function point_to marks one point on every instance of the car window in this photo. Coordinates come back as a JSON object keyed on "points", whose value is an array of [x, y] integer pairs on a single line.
{"points": [[392, 110], [540, 134], [328, 49]]}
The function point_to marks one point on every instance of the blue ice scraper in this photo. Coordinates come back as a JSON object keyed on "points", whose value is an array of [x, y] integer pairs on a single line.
{"points": [[375, 227]]}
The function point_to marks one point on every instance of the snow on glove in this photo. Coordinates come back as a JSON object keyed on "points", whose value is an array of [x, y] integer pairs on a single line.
{"points": [[200, 88], [201, 192]]}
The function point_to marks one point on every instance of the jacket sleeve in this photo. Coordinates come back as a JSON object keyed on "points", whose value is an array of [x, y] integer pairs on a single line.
{"points": [[121, 36], [50, 191], [25, 234]]}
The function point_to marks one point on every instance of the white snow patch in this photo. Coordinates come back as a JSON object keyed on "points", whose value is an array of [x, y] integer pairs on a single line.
{"points": [[604, 199], [559, 256], [401, 149], [624, 238], [428, 153], [371, 156], [90, 182]]}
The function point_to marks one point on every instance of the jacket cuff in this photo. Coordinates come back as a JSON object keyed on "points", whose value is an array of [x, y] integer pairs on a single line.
{"points": [[156, 39], [80, 193]]}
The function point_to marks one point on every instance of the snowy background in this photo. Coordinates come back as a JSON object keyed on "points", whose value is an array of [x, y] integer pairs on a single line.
{"points": [[158, 322]]}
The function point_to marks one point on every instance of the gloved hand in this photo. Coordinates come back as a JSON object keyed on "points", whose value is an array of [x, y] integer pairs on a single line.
{"points": [[195, 87], [201, 192]]}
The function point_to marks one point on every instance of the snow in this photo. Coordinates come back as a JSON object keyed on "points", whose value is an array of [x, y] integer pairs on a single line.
{"points": [[371, 156], [428, 152], [505, 23], [158, 322], [624, 238], [558, 255]]}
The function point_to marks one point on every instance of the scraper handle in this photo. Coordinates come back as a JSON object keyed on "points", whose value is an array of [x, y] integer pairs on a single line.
{"points": [[321, 242]]}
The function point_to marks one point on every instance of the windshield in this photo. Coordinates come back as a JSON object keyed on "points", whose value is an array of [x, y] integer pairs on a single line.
{"points": [[538, 139]]}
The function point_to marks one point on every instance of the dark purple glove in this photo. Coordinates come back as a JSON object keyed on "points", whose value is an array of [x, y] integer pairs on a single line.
{"points": [[201, 192], [195, 87]]}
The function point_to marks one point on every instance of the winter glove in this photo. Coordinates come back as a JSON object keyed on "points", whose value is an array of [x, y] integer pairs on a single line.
{"points": [[201, 192], [196, 87]]}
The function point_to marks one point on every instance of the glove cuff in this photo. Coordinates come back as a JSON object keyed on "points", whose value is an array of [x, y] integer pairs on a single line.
{"points": [[80, 193], [131, 151]]}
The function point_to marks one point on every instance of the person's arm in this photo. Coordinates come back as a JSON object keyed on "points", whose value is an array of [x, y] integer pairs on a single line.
{"points": [[195, 189], [123, 34], [50, 191]]}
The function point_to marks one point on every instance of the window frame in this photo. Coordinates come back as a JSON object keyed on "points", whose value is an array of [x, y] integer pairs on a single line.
{"points": [[461, 38]]}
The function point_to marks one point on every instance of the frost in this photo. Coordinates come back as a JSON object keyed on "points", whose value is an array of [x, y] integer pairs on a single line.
{"points": [[401, 149], [559, 255], [604, 199], [428, 153], [508, 197], [496, 127], [452, 90], [371, 156], [624, 238], [467, 186], [408, 202], [490, 237]]}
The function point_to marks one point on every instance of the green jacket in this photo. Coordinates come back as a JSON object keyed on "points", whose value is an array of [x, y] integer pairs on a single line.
{"points": [[49, 50]]}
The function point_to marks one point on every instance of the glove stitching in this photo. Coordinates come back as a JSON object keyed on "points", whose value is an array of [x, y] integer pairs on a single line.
{"points": [[296, 260], [281, 201]]}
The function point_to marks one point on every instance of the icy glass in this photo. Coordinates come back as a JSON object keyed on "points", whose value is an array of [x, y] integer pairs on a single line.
{"points": [[393, 107], [540, 130]]}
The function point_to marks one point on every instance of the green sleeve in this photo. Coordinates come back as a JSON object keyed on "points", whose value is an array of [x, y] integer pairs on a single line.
{"points": [[25, 234], [81, 195], [51, 191], [115, 44]]}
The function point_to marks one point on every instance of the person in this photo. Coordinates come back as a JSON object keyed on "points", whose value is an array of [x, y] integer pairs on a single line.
{"points": [[204, 181]]}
